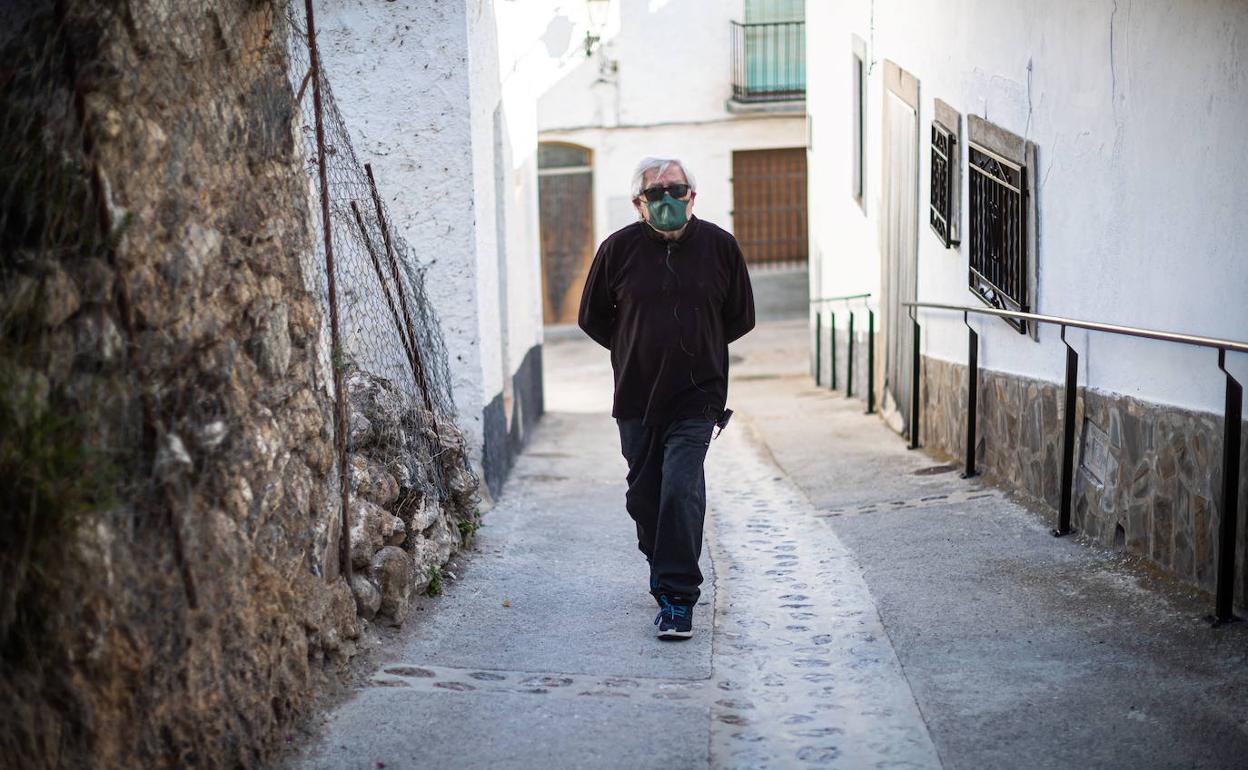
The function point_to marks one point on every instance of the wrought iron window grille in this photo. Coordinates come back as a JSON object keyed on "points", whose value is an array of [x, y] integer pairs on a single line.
{"points": [[944, 166], [998, 272]]}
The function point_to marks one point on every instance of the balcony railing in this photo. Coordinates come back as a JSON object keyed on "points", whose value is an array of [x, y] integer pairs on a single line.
{"points": [[769, 61]]}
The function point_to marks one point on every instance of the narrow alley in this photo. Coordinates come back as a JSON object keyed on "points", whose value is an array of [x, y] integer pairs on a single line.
{"points": [[314, 315], [864, 607]]}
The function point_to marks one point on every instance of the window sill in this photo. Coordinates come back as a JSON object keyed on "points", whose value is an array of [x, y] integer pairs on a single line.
{"points": [[782, 107]]}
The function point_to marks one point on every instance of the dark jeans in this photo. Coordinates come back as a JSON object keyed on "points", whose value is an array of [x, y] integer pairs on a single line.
{"points": [[667, 500]]}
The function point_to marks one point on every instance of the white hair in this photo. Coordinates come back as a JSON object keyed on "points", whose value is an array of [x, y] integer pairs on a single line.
{"points": [[658, 166]]}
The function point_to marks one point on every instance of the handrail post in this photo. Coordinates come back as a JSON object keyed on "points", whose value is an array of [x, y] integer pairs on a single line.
{"points": [[1232, 435], [914, 384], [1068, 439], [818, 346], [1225, 596], [972, 395], [832, 337], [849, 359], [870, 361]]}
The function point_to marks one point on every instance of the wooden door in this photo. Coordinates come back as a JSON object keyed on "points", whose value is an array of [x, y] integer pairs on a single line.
{"points": [[566, 205], [899, 241], [769, 205]]}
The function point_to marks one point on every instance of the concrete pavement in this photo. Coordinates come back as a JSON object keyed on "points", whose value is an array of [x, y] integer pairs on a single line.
{"points": [[860, 610], [1022, 650]]}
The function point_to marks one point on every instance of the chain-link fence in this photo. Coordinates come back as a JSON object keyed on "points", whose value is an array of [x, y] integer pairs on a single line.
{"points": [[393, 361]]}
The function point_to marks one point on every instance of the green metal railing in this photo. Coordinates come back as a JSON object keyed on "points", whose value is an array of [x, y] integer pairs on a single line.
{"points": [[847, 300]]}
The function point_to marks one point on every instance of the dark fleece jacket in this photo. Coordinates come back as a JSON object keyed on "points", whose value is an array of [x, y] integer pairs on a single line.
{"points": [[667, 310]]}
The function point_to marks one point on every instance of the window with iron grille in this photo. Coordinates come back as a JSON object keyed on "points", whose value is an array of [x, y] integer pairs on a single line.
{"points": [[998, 239], [944, 166]]}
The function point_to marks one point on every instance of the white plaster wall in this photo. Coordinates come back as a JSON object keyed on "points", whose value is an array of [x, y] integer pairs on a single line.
{"points": [[502, 39], [1138, 111], [399, 73], [484, 89], [705, 148], [673, 62], [419, 84], [526, 33], [658, 85]]}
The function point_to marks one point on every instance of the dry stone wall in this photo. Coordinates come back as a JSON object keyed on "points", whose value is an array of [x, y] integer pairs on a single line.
{"points": [[400, 535], [171, 589]]}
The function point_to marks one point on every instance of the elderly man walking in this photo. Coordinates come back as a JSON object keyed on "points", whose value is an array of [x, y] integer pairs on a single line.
{"points": [[666, 295]]}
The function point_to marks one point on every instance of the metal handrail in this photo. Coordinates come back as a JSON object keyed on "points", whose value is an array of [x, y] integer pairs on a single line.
{"points": [[1131, 331], [842, 298], [1231, 427], [849, 364]]}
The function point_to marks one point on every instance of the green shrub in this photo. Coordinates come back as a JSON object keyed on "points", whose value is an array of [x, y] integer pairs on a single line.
{"points": [[435, 581]]}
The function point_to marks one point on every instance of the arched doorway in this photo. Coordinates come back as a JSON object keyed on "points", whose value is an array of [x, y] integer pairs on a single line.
{"points": [[566, 204]]}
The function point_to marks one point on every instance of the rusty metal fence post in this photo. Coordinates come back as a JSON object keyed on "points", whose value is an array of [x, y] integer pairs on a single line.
{"points": [[418, 366], [336, 355]]}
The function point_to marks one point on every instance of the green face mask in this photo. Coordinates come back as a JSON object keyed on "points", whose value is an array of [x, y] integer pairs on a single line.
{"points": [[668, 214]]}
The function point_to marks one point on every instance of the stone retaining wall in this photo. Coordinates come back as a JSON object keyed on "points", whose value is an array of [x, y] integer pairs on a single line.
{"points": [[183, 616]]}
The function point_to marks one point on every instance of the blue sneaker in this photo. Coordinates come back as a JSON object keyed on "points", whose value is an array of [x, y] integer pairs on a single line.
{"points": [[675, 621]]}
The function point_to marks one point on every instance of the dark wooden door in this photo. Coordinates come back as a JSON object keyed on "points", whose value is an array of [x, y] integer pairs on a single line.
{"points": [[769, 205], [565, 200]]}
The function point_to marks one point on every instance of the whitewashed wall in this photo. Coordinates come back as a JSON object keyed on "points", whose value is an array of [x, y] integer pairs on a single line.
{"points": [[705, 148], [1138, 110], [674, 67], [422, 87], [658, 86]]}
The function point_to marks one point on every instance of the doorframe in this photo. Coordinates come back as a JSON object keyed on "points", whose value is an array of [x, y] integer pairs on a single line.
{"points": [[905, 86], [799, 157], [588, 168]]}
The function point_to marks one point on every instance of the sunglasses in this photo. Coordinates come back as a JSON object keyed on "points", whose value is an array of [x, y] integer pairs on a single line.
{"points": [[655, 194]]}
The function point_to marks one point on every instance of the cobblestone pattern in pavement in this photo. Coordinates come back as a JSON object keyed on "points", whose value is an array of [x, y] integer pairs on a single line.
{"points": [[789, 667], [542, 653], [807, 672], [1021, 649], [558, 685]]}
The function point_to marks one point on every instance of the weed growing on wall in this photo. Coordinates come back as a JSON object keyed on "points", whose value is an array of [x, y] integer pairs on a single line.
{"points": [[435, 581], [53, 471], [52, 477]]}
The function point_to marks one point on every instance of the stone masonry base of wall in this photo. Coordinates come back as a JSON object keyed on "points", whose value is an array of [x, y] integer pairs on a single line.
{"points": [[1148, 477], [503, 443]]}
